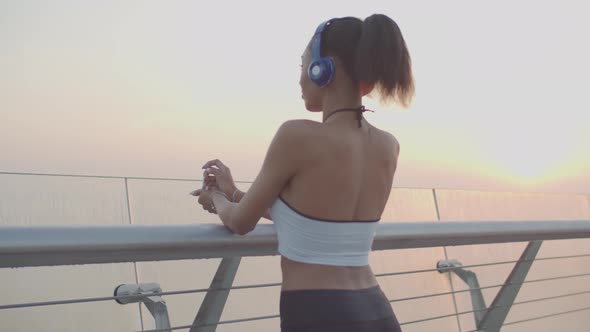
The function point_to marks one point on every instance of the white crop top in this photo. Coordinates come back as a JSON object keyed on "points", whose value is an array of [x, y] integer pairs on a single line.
{"points": [[316, 241]]}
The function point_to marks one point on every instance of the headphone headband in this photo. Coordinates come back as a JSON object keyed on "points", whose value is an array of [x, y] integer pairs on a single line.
{"points": [[316, 44], [321, 69]]}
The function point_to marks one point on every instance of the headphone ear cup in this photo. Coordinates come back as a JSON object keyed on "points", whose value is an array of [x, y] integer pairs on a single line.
{"points": [[321, 71]]}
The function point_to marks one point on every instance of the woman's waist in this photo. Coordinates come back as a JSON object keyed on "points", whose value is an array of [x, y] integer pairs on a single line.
{"points": [[297, 275]]}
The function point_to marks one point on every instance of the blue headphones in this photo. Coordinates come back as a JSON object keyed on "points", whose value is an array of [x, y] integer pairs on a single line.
{"points": [[321, 69]]}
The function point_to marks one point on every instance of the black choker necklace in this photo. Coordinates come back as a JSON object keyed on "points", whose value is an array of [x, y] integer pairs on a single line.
{"points": [[359, 112]]}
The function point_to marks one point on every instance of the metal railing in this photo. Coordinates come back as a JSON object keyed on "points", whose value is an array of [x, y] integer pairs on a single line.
{"points": [[63, 245], [66, 245]]}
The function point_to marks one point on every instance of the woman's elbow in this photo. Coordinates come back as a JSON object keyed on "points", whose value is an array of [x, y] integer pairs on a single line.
{"points": [[242, 228]]}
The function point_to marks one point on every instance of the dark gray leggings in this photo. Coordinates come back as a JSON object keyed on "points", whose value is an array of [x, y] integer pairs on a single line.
{"points": [[343, 310]]}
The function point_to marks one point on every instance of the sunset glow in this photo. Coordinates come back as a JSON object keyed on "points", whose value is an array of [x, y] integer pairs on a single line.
{"points": [[156, 89]]}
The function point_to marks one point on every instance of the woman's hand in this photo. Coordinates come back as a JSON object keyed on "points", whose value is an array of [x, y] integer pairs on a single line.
{"points": [[218, 175], [205, 199]]}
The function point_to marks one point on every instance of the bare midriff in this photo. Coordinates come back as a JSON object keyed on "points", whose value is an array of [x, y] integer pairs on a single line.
{"points": [[297, 276]]}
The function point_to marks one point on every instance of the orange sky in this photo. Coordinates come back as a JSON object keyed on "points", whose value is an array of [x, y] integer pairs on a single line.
{"points": [[148, 89]]}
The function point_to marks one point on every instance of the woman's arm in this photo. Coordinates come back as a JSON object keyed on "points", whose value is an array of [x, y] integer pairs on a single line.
{"points": [[283, 160], [237, 197]]}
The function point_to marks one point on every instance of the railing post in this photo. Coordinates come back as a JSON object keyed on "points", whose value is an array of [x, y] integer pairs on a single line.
{"points": [[494, 318], [155, 303], [470, 278], [491, 320], [157, 307], [212, 307]]}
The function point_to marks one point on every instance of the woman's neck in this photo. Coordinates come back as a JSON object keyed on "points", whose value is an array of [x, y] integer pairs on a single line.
{"points": [[335, 102]]}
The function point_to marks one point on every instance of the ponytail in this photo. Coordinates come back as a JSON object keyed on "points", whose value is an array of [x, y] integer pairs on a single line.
{"points": [[373, 52], [383, 59]]}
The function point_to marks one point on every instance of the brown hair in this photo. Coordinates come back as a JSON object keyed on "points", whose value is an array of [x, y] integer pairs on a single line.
{"points": [[372, 51]]}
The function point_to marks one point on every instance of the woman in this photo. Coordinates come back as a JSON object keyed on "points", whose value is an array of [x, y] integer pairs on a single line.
{"points": [[325, 185]]}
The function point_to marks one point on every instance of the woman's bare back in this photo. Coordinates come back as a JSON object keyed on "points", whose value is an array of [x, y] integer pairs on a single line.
{"points": [[347, 176]]}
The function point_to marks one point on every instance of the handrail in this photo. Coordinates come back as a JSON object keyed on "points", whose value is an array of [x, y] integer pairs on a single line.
{"points": [[22, 246]]}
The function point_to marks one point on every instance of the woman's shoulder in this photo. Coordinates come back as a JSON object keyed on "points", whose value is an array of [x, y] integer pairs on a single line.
{"points": [[391, 144], [390, 138], [385, 142], [307, 130], [298, 128], [300, 124], [292, 135]]}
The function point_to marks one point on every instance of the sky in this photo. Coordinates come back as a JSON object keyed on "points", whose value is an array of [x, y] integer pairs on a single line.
{"points": [[155, 89]]}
